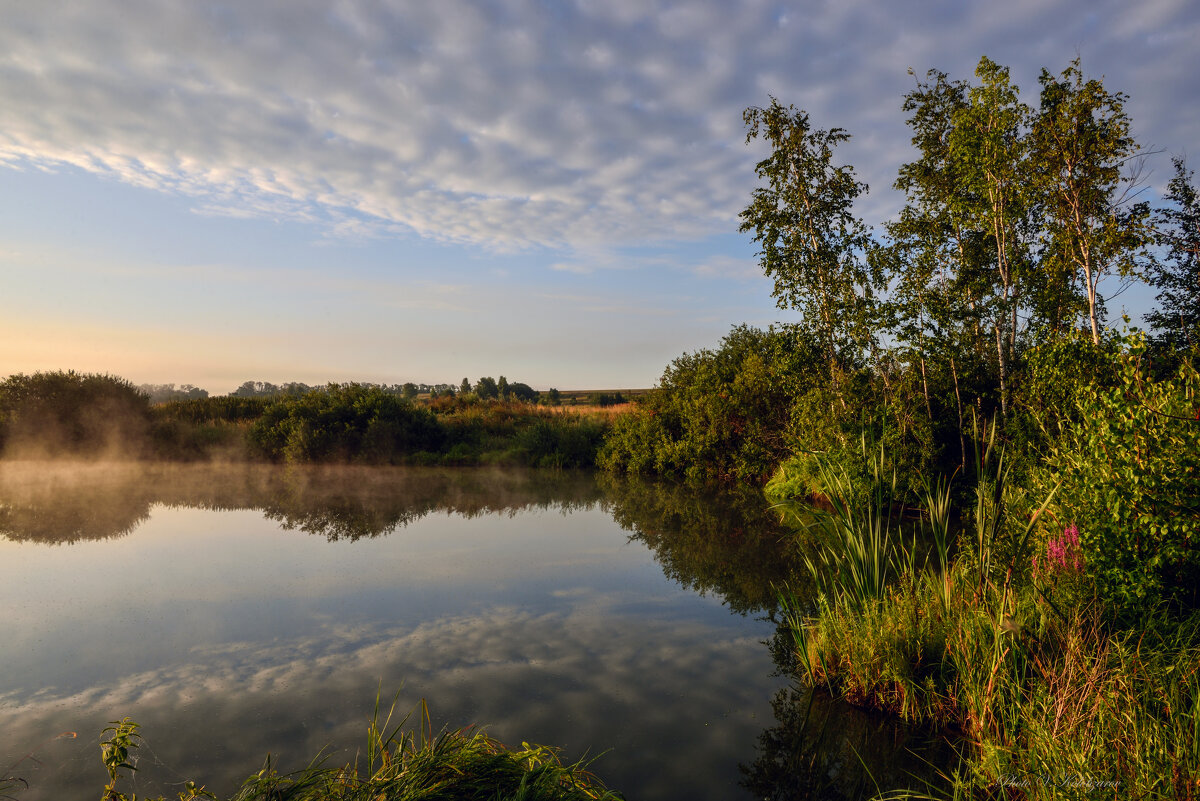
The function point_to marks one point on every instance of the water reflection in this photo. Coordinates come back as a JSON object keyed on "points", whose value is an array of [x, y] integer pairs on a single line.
{"points": [[591, 614], [724, 541], [823, 749], [510, 599], [538, 677], [53, 502]]}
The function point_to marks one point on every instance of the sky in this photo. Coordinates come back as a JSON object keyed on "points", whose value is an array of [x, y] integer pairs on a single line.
{"points": [[389, 191]]}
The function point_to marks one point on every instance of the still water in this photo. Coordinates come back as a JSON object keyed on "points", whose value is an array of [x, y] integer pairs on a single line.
{"points": [[237, 612]]}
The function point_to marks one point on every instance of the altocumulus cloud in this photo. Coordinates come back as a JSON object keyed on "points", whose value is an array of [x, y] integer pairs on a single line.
{"points": [[522, 123]]}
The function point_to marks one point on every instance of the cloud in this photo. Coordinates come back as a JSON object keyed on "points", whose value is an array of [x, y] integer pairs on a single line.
{"points": [[728, 267], [571, 267], [511, 126]]}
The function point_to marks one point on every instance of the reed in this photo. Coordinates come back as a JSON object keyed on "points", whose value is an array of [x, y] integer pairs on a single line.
{"points": [[860, 550], [1053, 701]]}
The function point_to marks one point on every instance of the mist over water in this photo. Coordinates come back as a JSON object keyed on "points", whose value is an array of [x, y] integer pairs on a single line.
{"points": [[242, 610]]}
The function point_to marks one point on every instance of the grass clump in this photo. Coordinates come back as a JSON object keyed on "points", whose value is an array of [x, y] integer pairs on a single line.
{"points": [[400, 765], [1001, 634]]}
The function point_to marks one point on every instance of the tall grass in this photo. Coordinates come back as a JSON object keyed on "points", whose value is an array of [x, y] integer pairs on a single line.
{"points": [[402, 762], [859, 547], [1053, 703]]}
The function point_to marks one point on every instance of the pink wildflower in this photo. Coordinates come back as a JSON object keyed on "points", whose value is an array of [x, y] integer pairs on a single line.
{"points": [[1064, 555]]}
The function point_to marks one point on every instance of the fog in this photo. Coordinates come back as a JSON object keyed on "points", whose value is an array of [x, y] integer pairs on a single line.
{"points": [[59, 500]]}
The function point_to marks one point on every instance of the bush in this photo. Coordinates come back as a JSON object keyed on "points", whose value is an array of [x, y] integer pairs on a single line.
{"points": [[605, 399], [1129, 463], [561, 442], [719, 414], [348, 422], [223, 408], [1047, 388], [68, 413]]}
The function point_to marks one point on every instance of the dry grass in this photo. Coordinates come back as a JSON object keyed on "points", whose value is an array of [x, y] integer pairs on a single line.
{"points": [[604, 411]]}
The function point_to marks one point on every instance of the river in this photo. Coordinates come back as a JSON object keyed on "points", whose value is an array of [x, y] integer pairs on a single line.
{"points": [[240, 611]]}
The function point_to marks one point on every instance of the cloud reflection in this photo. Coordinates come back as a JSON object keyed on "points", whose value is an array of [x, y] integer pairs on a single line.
{"points": [[581, 678]]}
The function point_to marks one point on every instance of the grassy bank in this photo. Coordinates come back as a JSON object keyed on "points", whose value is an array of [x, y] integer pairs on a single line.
{"points": [[990, 621], [399, 763]]}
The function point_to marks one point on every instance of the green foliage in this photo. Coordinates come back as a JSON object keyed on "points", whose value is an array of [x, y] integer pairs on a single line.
{"points": [[401, 765], [829, 434], [606, 399], [161, 393], [1047, 389], [117, 754], [560, 442], [114, 753], [860, 550], [1130, 468], [1081, 141], [516, 433], [347, 422], [812, 244], [522, 392], [223, 408], [719, 414], [487, 388], [265, 389], [68, 413], [1177, 322], [1027, 671]]}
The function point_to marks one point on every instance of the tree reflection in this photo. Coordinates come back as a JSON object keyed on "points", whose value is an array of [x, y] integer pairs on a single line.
{"points": [[822, 748], [61, 503], [725, 541]]}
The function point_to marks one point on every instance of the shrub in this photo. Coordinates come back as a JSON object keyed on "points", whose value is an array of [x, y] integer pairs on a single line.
{"points": [[1130, 467], [719, 414], [223, 408], [348, 422], [68, 413], [561, 441]]}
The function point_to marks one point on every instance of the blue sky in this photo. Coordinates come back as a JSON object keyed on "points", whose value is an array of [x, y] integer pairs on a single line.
{"points": [[290, 190]]}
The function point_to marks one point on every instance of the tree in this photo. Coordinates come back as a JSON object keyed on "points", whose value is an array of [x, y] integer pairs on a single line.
{"points": [[409, 391], [1081, 142], [1177, 320], [486, 388], [465, 387], [553, 396], [812, 244], [161, 393], [522, 392], [502, 388], [937, 260], [989, 151]]}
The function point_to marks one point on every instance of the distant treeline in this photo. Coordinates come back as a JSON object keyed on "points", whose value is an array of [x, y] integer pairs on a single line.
{"points": [[486, 387], [68, 414]]}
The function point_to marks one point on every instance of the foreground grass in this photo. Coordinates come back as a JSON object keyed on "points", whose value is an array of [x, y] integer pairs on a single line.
{"points": [[399, 765], [1057, 706], [1054, 700]]}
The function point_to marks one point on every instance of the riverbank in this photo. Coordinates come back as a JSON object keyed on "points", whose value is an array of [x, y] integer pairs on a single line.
{"points": [[1055, 692]]}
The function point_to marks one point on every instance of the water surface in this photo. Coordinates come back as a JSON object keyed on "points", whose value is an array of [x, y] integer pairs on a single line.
{"points": [[240, 611]]}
